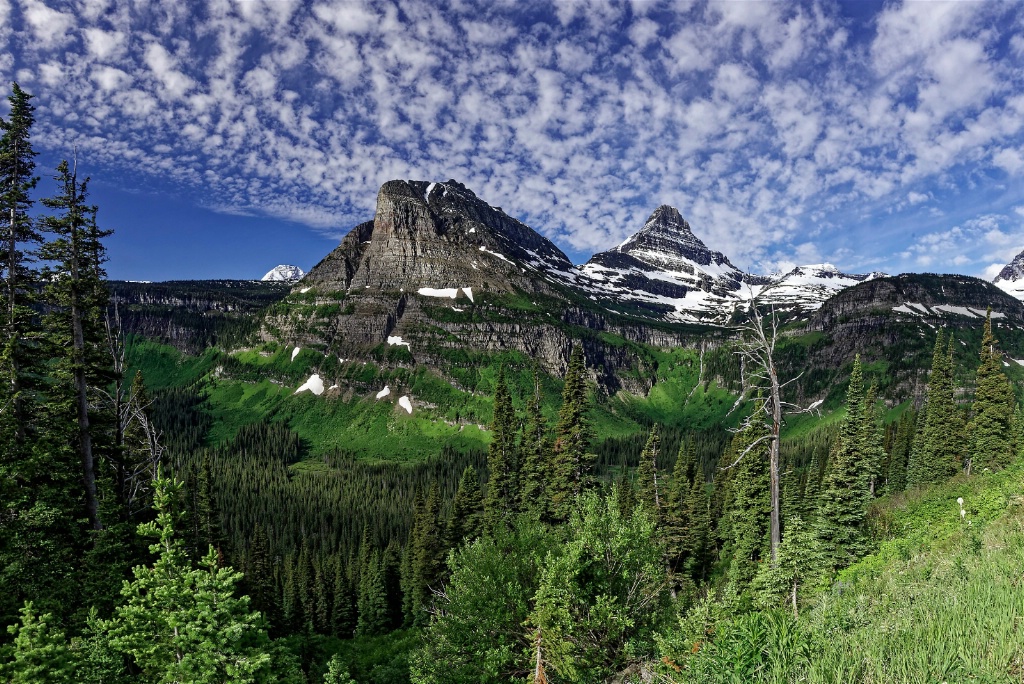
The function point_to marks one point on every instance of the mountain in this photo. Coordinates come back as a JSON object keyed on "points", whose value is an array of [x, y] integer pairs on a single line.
{"points": [[285, 273], [1011, 278], [440, 273], [667, 272], [807, 287]]}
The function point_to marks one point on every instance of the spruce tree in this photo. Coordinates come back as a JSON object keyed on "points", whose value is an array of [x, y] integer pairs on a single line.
{"points": [[535, 452], [184, 624], [647, 475], [571, 464], [17, 233], [465, 523], [372, 598], [935, 454], [846, 486], [873, 441], [502, 498], [676, 528], [259, 581], [991, 430], [427, 555], [749, 506], [77, 299], [343, 610], [41, 654]]}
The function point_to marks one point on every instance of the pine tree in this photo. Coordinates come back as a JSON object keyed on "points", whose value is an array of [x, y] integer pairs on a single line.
{"points": [[372, 598], [77, 300], [184, 624], [535, 450], [465, 523], [343, 610], [895, 474], [935, 454], [676, 528], [991, 430], [873, 441], [572, 465], [17, 355], [502, 500], [647, 475], [427, 555], [41, 654], [749, 507], [846, 487], [698, 534], [259, 578], [799, 560]]}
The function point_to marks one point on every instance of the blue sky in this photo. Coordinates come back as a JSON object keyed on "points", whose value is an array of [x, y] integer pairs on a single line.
{"points": [[229, 136]]}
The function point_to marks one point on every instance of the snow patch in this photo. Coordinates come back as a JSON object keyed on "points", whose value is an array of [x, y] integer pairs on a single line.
{"points": [[305, 290], [961, 310], [314, 385], [472, 230], [406, 404], [295, 352], [906, 309], [469, 293], [384, 392], [426, 194], [397, 341], [455, 308], [450, 292], [493, 253]]}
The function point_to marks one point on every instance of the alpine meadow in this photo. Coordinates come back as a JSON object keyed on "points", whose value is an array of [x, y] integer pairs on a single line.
{"points": [[446, 451]]}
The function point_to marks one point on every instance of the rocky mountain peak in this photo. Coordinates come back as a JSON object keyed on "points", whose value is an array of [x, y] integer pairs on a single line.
{"points": [[1011, 278], [1013, 271], [667, 242]]}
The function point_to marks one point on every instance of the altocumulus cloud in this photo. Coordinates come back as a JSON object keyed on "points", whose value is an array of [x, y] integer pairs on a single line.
{"points": [[768, 124]]}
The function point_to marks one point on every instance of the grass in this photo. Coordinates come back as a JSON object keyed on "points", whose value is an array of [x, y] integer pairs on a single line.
{"points": [[941, 600]]}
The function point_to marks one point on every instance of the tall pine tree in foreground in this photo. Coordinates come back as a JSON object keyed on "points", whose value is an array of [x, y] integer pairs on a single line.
{"points": [[184, 624], [935, 454], [77, 299], [18, 232], [748, 512], [846, 487], [535, 454], [571, 464], [991, 430]]}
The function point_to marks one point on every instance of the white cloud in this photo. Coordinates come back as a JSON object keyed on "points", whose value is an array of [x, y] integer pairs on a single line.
{"points": [[51, 27], [765, 123]]}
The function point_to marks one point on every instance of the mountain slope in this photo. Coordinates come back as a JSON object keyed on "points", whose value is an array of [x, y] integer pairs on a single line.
{"points": [[1011, 278]]}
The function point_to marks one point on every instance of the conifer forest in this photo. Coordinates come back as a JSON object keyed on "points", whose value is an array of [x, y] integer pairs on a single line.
{"points": [[763, 510]]}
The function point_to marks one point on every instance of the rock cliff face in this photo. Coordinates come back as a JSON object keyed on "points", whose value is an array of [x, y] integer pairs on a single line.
{"points": [[439, 236], [192, 314]]}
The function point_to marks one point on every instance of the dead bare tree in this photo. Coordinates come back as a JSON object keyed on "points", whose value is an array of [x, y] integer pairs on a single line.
{"points": [[759, 338]]}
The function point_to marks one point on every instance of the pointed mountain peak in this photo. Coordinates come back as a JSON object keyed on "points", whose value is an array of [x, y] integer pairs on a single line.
{"points": [[1013, 271], [666, 241]]}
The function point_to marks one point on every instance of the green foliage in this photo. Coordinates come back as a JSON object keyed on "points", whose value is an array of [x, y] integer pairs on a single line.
{"points": [[747, 503], [990, 432], [184, 624], [571, 463], [937, 450], [476, 635], [601, 594], [502, 499], [39, 654], [845, 493]]}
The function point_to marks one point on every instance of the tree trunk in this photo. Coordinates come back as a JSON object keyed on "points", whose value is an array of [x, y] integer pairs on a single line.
{"points": [[81, 386], [776, 526]]}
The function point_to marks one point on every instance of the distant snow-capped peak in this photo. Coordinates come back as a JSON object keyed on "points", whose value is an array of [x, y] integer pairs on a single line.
{"points": [[285, 273], [1011, 278]]}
